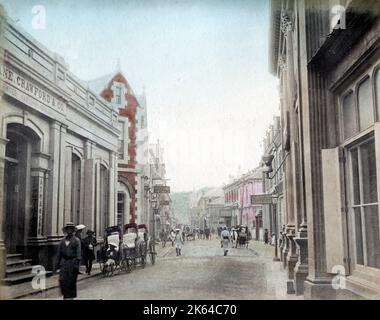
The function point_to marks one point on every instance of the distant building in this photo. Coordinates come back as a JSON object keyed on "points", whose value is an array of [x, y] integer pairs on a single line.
{"points": [[274, 182], [163, 213], [238, 209]]}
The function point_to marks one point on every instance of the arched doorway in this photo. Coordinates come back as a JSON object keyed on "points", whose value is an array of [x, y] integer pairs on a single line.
{"points": [[20, 222]]}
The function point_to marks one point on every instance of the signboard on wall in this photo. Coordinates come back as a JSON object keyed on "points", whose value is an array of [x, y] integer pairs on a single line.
{"points": [[261, 199], [24, 90], [161, 189]]}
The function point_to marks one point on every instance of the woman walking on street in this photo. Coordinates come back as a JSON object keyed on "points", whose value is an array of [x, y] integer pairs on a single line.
{"points": [[178, 242], [68, 260], [225, 240]]}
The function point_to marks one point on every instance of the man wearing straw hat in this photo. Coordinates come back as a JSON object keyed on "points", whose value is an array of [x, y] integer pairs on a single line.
{"points": [[68, 260]]}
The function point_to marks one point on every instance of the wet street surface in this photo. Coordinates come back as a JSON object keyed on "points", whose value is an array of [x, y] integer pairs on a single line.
{"points": [[201, 272]]}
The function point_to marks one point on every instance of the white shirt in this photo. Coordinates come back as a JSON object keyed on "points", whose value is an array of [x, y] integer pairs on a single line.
{"points": [[225, 233]]}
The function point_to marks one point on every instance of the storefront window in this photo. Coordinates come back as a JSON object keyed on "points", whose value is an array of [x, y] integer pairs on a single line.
{"points": [[365, 204], [365, 101]]}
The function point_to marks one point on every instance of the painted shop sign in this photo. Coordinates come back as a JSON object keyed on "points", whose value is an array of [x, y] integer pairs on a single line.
{"points": [[19, 82], [161, 189], [261, 199]]}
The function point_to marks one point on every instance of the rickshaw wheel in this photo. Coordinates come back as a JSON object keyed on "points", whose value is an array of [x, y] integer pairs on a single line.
{"points": [[110, 270], [129, 265], [103, 267]]}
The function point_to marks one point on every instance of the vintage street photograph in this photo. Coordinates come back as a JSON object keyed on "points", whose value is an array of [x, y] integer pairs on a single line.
{"points": [[189, 150]]}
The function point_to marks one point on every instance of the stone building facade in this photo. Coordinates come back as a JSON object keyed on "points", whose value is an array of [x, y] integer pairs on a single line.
{"points": [[327, 57], [58, 150], [273, 182]]}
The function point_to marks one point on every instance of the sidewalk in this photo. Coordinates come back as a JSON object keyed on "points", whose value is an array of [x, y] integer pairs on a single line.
{"points": [[275, 273], [25, 289]]}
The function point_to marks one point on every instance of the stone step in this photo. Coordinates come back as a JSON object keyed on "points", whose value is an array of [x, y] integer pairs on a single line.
{"points": [[15, 279], [14, 256], [18, 262], [19, 269]]}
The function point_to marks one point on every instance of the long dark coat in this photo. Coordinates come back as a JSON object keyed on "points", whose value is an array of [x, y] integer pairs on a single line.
{"points": [[68, 261], [87, 252]]}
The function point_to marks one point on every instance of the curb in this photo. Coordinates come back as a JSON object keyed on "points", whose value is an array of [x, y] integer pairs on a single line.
{"points": [[35, 292]]}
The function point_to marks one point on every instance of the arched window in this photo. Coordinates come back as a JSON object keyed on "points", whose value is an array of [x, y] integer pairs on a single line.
{"points": [[377, 91], [349, 116], [75, 188], [365, 104]]}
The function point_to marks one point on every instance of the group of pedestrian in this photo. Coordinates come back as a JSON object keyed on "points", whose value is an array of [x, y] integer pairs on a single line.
{"points": [[71, 251], [272, 240]]}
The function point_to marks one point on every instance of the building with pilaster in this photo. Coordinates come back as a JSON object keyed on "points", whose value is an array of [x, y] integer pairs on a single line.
{"points": [[58, 152], [326, 55]]}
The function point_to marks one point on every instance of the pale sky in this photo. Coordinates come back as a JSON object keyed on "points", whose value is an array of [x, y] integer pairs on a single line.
{"points": [[204, 65]]}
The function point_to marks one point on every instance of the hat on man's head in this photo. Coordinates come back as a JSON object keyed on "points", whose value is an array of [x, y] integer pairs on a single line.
{"points": [[90, 232], [69, 225]]}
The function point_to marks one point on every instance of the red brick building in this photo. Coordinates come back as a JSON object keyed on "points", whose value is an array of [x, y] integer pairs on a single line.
{"points": [[119, 93]]}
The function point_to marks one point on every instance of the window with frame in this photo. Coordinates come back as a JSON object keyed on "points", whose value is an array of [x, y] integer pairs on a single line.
{"points": [[117, 93], [121, 139], [358, 108], [364, 203], [365, 104], [120, 208]]}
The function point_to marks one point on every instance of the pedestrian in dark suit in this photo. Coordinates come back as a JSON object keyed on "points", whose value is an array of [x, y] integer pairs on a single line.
{"points": [[266, 236], [89, 243], [68, 260]]}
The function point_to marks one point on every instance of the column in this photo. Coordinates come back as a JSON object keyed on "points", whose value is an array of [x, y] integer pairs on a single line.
{"points": [[68, 169], [55, 210], [3, 143], [318, 281], [89, 189], [112, 205]]}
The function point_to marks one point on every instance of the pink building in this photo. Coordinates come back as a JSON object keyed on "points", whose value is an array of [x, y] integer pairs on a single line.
{"points": [[250, 215], [238, 209]]}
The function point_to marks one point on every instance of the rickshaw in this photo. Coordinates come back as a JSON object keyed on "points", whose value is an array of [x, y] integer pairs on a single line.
{"points": [[110, 257], [242, 237], [130, 237], [189, 233]]}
